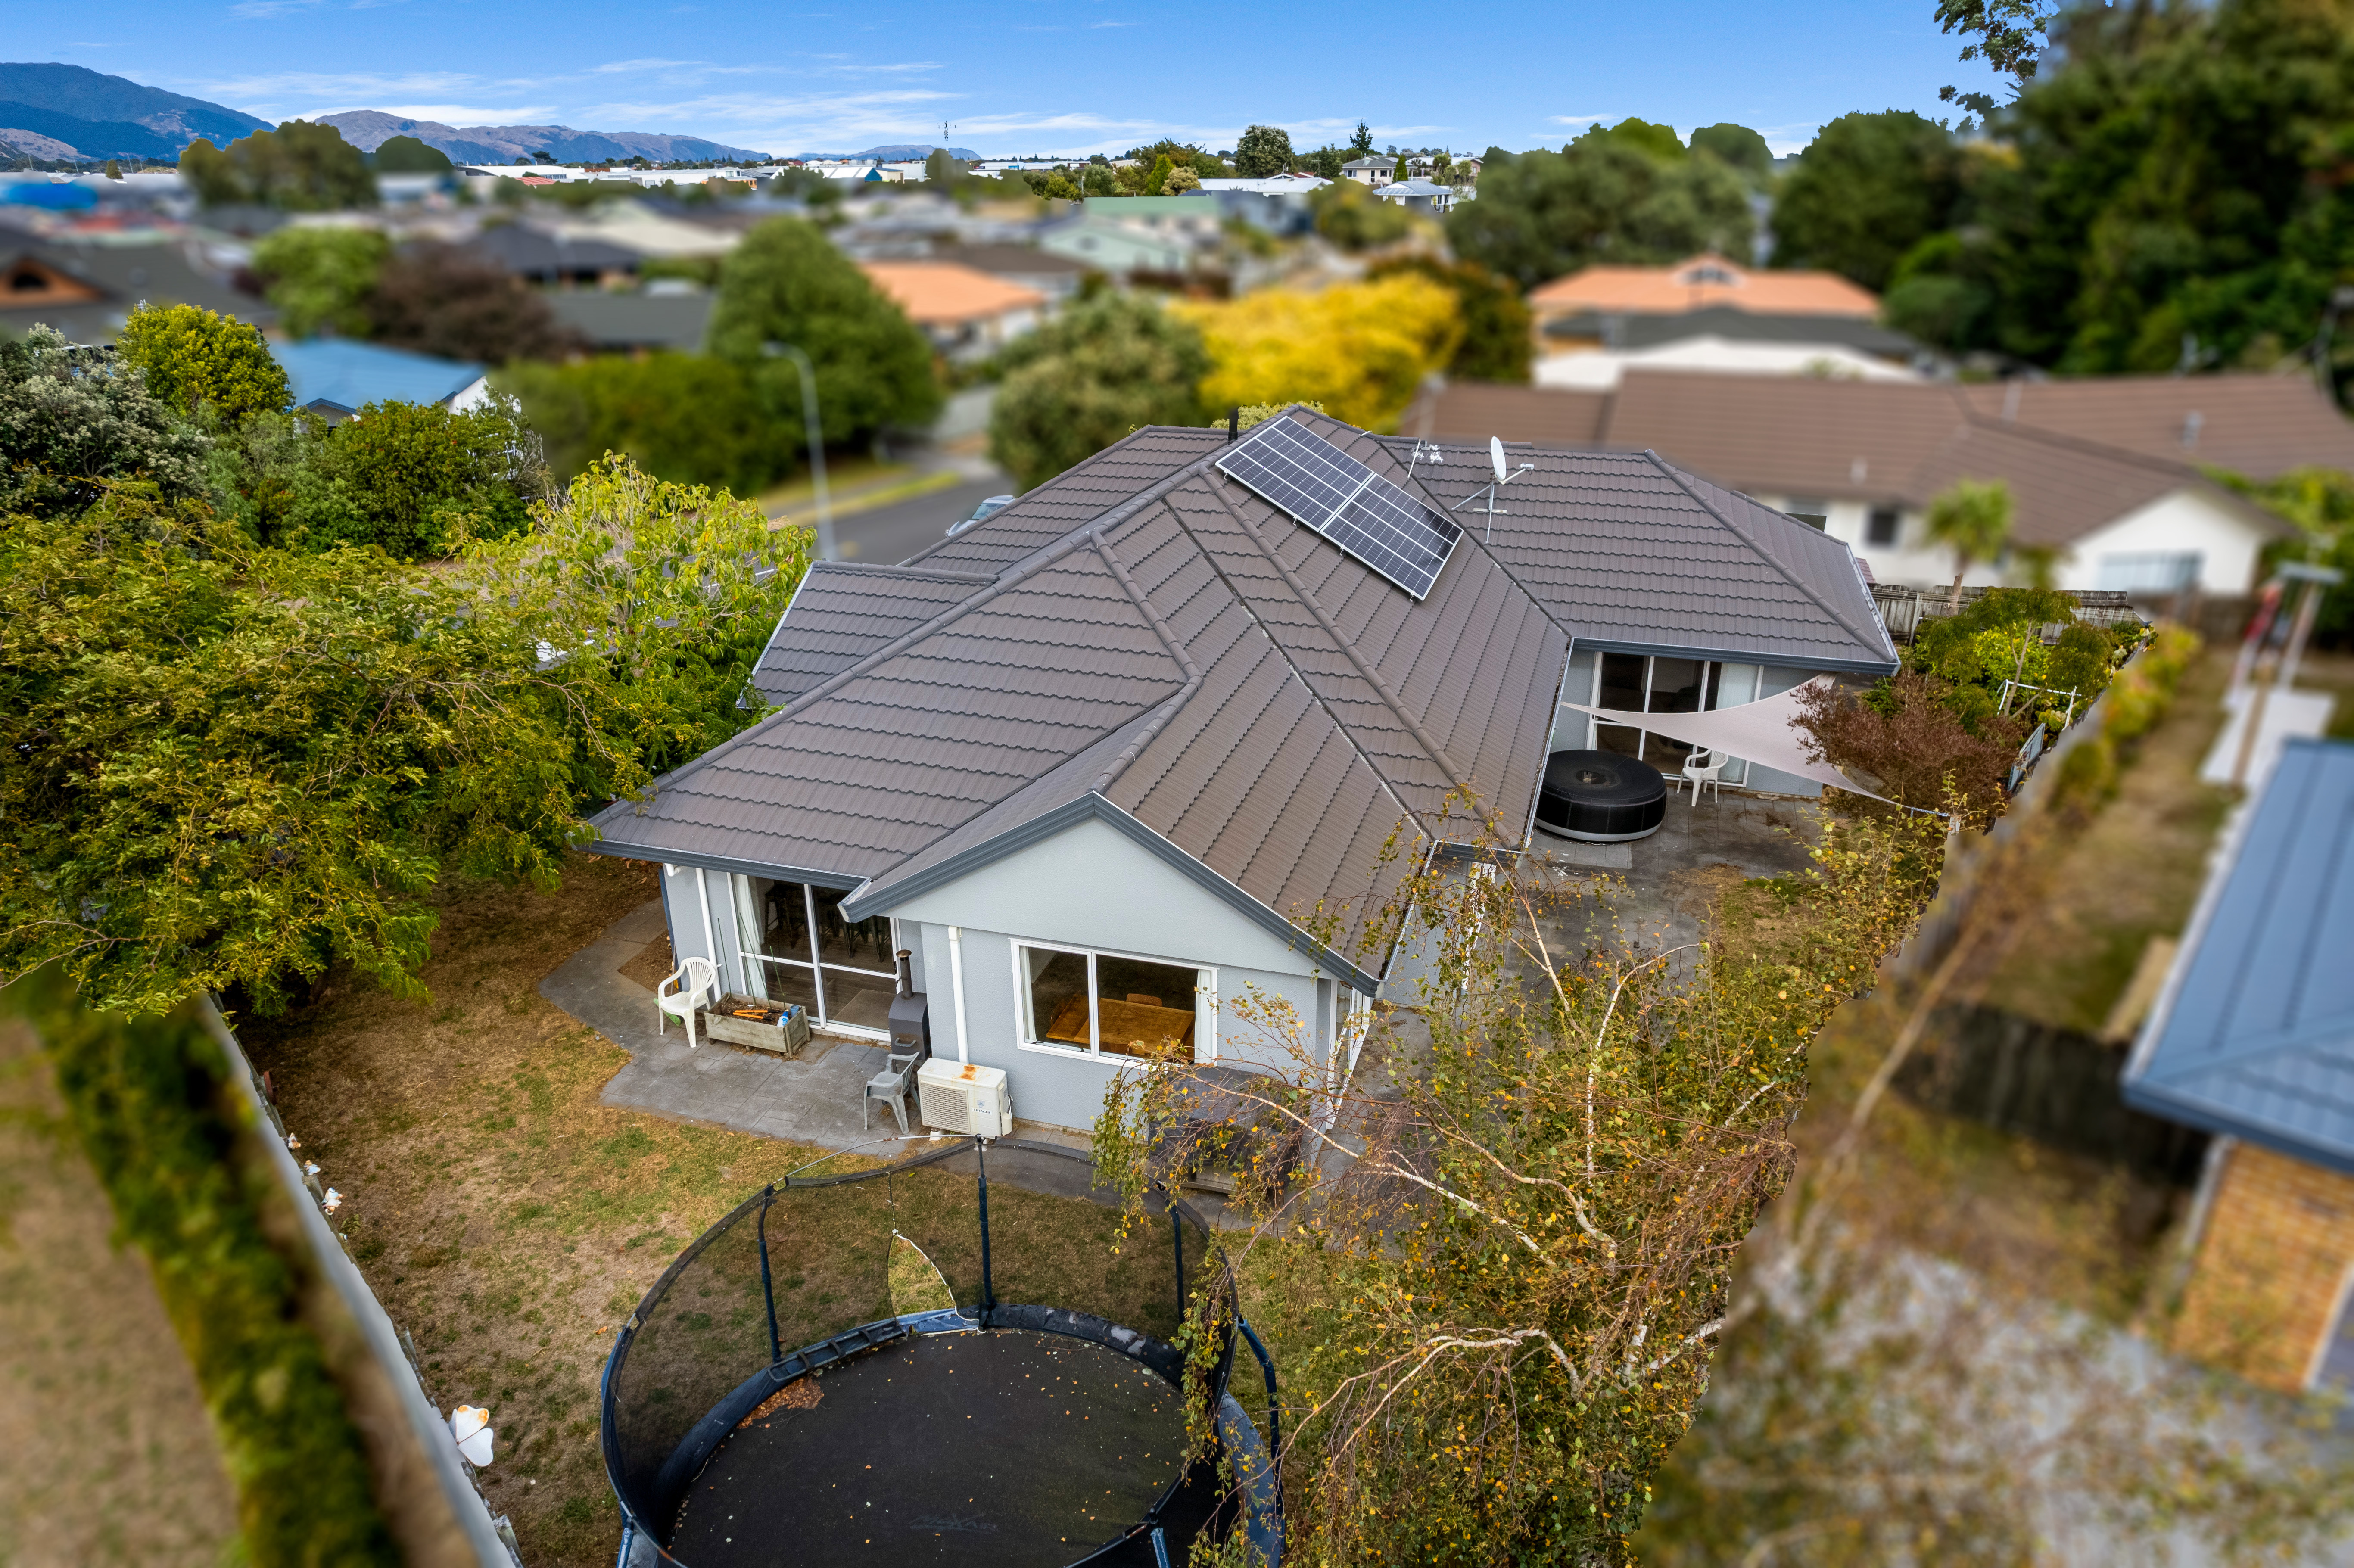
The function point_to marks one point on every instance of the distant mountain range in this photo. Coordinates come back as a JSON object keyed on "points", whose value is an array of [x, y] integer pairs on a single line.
{"points": [[44, 106], [368, 128], [899, 151]]}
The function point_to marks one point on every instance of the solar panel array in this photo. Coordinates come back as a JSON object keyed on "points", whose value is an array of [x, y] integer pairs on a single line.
{"points": [[1328, 490]]}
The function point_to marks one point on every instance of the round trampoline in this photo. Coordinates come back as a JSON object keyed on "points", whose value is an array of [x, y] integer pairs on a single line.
{"points": [[1601, 797], [924, 1416]]}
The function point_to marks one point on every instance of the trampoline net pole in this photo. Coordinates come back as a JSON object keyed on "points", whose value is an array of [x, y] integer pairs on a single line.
{"points": [[1177, 1235], [981, 1183], [768, 1284]]}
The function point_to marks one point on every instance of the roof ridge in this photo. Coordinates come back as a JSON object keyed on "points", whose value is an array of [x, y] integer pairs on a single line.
{"points": [[1340, 726], [1347, 646], [889, 569], [1169, 705], [1677, 476], [1992, 424], [1080, 467]]}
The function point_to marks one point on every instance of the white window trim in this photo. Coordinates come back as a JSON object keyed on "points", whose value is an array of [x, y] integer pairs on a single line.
{"points": [[1206, 1001]]}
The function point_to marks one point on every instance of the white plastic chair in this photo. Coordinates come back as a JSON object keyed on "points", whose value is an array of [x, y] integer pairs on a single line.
{"points": [[699, 986], [1707, 776]]}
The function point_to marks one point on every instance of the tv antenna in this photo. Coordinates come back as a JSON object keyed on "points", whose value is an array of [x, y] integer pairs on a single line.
{"points": [[1504, 476]]}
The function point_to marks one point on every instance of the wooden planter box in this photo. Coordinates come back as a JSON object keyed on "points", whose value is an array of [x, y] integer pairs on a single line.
{"points": [[780, 1028]]}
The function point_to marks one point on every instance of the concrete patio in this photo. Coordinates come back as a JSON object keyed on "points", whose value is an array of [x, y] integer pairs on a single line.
{"points": [[1664, 884], [813, 1098]]}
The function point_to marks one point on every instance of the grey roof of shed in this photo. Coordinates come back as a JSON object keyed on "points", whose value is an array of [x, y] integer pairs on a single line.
{"points": [[1186, 661], [1636, 553], [2253, 1035]]}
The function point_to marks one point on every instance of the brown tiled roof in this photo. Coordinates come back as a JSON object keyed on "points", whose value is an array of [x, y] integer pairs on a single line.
{"points": [[1187, 662], [1887, 441], [2253, 425], [1699, 282], [842, 611]]}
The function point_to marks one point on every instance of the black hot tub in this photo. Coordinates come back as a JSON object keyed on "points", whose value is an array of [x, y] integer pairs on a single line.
{"points": [[1601, 797]]}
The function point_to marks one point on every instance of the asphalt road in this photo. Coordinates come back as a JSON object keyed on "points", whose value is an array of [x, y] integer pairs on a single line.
{"points": [[889, 535]]}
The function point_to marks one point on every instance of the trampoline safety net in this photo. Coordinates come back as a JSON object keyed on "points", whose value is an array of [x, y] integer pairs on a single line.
{"points": [[956, 1306]]}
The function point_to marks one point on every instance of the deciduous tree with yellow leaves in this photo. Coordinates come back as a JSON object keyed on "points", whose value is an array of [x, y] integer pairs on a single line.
{"points": [[1359, 349]]}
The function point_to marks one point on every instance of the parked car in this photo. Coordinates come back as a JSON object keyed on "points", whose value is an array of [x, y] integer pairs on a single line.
{"points": [[989, 508]]}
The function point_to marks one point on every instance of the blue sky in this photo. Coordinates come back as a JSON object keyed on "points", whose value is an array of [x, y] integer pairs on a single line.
{"points": [[1022, 76]]}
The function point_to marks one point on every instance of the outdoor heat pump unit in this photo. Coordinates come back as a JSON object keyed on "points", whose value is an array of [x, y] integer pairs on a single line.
{"points": [[959, 1098]]}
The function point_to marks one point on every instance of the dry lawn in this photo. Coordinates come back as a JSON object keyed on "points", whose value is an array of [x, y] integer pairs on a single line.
{"points": [[510, 1220], [110, 1454]]}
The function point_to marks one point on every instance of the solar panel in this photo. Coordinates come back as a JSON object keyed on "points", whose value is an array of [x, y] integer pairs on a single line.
{"points": [[1326, 489]]}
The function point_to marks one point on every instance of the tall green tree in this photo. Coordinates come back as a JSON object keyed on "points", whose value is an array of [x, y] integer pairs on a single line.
{"points": [[1078, 384], [1264, 150], [408, 156], [1739, 148], [192, 358], [228, 766], [320, 279], [1867, 190], [299, 167], [1604, 198], [788, 284], [454, 303], [689, 419], [1498, 344], [1361, 143]]}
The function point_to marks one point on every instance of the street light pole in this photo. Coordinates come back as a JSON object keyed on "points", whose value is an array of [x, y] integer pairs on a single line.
{"points": [[816, 442]]}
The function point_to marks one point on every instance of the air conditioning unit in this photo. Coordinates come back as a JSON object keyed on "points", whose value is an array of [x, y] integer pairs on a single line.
{"points": [[962, 1098]]}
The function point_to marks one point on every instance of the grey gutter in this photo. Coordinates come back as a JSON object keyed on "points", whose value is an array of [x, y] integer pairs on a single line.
{"points": [[1789, 661], [844, 881], [1092, 807]]}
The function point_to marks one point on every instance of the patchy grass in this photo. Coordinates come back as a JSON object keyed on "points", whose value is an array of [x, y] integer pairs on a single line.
{"points": [[2133, 873], [510, 1220], [111, 1455]]}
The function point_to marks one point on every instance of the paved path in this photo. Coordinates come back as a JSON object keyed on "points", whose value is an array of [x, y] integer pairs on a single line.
{"points": [[815, 1099]]}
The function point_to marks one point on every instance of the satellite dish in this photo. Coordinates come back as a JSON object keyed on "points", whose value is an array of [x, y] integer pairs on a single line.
{"points": [[1496, 457]]}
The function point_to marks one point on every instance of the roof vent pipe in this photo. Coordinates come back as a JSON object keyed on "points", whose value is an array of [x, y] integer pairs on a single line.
{"points": [[1233, 422], [906, 972]]}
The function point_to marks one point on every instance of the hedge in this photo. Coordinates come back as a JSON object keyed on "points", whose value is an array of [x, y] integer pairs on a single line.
{"points": [[149, 1099]]}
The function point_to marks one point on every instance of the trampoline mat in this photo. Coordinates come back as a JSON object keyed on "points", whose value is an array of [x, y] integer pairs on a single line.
{"points": [[1010, 1447]]}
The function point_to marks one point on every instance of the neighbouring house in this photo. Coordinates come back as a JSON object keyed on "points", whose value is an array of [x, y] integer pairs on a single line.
{"points": [[550, 259], [1119, 248], [88, 288], [1375, 172], [1698, 283], [1419, 194], [1599, 369], [967, 314], [667, 314], [2252, 1040], [336, 378], [1631, 333], [2108, 483], [1056, 277], [1141, 745]]}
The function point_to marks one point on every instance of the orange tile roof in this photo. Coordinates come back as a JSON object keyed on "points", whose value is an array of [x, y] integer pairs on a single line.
{"points": [[1698, 281], [941, 293]]}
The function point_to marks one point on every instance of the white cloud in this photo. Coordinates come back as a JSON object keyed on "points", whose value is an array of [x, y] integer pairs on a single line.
{"points": [[267, 10], [1581, 118]]}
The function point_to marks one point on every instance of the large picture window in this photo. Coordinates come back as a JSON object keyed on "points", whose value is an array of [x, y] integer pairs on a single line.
{"points": [[1109, 1004], [802, 951]]}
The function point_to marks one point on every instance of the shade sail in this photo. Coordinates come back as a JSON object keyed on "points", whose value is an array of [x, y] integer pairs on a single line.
{"points": [[1762, 732]]}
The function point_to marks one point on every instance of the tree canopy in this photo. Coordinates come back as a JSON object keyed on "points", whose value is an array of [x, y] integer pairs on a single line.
{"points": [[321, 278], [686, 417], [445, 301], [1867, 190], [786, 283], [300, 167], [1085, 380], [1612, 195], [408, 156], [1359, 350], [1497, 345], [1738, 148], [1264, 150], [73, 420]]}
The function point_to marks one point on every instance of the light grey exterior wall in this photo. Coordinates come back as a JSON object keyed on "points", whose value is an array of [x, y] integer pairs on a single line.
{"points": [[1091, 886]]}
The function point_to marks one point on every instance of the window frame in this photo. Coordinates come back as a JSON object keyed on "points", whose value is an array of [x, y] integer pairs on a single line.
{"points": [[1205, 1002], [747, 938]]}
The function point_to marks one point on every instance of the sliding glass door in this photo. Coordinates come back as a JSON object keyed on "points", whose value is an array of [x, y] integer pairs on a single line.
{"points": [[802, 950], [1643, 683]]}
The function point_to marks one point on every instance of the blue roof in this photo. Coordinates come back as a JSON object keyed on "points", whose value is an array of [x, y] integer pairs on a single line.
{"points": [[353, 375], [2253, 1035]]}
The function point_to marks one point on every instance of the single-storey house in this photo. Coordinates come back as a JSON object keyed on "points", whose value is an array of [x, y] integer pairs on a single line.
{"points": [[87, 288], [2109, 483], [2252, 1039], [1700, 283], [965, 313], [1370, 169], [336, 378], [1418, 195], [1141, 744]]}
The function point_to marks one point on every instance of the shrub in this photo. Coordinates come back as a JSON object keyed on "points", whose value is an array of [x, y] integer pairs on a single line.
{"points": [[1908, 736], [192, 357], [1361, 350], [1354, 220], [1078, 384], [74, 420], [684, 418]]}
